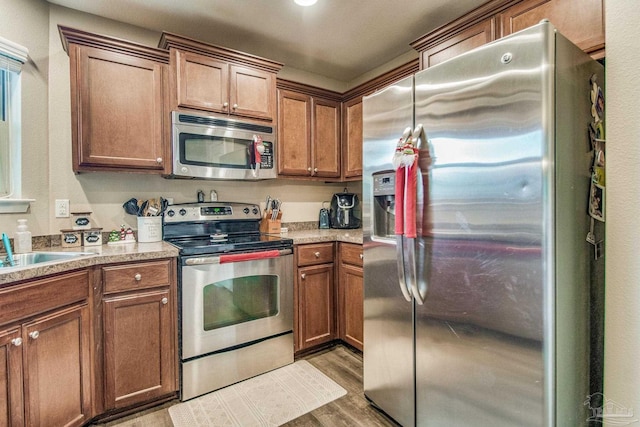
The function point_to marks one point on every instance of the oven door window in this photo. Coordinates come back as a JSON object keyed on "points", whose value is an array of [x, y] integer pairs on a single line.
{"points": [[239, 300], [213, 150]]}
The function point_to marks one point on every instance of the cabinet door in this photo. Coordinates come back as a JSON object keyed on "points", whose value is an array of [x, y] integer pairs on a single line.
{"points": [[294, 133], [57, 369], [118, 110], [352, 139], [581, 21], [466, 40], [316, 305], [350, 313], [252, 93], [325, 119], [11, 403], [201, 81], [138, 348]]}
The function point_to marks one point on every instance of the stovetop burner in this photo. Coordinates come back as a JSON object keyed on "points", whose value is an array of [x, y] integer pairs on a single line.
{"points": [[218, 227]]}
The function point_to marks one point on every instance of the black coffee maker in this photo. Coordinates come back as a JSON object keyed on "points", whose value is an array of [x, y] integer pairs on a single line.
{"points": [[345, 210]]}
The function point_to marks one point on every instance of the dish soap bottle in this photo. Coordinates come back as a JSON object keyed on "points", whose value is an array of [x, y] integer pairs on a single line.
{"points": [[22, 241]]}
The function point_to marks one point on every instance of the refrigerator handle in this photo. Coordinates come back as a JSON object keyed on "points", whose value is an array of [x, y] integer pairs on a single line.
{"points": [[400, 261], [411, 271]]}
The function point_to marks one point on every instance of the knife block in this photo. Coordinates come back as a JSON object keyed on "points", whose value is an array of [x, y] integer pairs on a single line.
{"points": [[270, 226]]}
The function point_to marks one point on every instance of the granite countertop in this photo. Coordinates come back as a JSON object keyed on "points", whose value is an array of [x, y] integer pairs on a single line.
{"points": [[330, 235], [96, 255], [108, 254]]}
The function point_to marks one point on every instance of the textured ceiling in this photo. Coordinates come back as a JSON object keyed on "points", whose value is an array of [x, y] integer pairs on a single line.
{"points": [[339, 39]]}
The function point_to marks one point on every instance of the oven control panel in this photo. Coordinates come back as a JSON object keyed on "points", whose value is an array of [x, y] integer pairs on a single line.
{"points": [[211, 211]]}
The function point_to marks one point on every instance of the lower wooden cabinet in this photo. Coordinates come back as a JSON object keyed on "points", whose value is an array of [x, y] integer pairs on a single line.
{"points": [[351, 295], [57, 385], [315, 295], [329, 295], [45, 364], [139, 328]]}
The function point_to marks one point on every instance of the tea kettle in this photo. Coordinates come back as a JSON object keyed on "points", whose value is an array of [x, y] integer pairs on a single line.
{"points": [[345, 210]]}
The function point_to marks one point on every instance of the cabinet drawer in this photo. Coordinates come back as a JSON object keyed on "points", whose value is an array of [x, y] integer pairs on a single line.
{"points": [[21, 301], [351, 254], [317, 253], [136, 276]]}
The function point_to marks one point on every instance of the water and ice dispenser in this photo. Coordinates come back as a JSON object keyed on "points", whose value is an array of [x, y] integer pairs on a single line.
{"points": [[384, 204]]}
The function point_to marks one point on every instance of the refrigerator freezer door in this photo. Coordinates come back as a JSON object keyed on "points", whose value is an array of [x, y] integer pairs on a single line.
{"points": [[480, 335], [388, 317]]}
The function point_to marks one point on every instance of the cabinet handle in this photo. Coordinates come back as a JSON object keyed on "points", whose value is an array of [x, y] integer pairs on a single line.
{"points": [[165, 300], [225, 105], [17, 342], [138, 277], [235, 106], [303, 275], [34, 335], [317, 254], [159, 160]]}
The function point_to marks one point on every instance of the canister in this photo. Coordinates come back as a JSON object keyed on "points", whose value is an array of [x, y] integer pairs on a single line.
{"points": [[71, 238], [92, 237], [81, 220]]}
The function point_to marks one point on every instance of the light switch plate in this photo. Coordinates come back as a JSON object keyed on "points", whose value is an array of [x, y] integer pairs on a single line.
{"points": [[62, 208]]}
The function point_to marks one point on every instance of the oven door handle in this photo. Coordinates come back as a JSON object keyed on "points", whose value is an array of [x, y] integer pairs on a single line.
{"points": [[249, 256]]}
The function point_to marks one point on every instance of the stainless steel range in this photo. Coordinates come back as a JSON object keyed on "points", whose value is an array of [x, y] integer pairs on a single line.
{"points": [[236, 294]]}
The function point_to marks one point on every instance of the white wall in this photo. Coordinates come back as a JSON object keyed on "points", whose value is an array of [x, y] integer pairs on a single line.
{"points": [[622, 299]]}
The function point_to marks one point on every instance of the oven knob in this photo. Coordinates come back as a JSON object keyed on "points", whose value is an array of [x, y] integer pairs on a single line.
{"points": [[171, 212], [255, 211], [182, 212], [246, 211]]}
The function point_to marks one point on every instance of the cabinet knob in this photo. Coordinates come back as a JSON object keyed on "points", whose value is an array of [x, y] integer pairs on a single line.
{"points": [[309, 169], [165, 300], [235, 106], [317, 254], [303, 275], [315, 170], [17, 342], [225, 105], [361, 256], [138, 277], [159, 160], [34, 335]]}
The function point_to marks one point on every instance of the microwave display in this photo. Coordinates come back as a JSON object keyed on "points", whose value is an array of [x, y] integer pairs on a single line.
{"points": [[217, 151]]}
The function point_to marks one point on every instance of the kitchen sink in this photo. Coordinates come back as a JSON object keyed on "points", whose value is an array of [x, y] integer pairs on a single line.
{"points": [[31, 258]]}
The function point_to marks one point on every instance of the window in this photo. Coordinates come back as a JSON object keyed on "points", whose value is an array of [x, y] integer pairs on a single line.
{"points": [[12, 56]]}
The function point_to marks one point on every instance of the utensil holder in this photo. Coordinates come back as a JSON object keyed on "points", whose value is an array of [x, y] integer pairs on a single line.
{"points": [[149, 229], [270, 226]]}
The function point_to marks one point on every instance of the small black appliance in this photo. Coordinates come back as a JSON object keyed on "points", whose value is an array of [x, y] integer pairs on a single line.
{"points": [[345, 210]]}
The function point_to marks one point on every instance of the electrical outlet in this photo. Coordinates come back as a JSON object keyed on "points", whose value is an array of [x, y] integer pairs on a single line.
{"points": [[62, 208]]}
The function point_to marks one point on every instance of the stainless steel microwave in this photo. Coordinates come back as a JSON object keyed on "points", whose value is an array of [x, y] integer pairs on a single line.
{"points": [[208, 147]]}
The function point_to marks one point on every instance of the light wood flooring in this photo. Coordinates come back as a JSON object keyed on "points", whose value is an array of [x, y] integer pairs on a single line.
{"points": [[339, 363]]}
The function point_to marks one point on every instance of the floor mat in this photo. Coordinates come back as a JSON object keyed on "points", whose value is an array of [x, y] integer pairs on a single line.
{"points": [[269, 399]]}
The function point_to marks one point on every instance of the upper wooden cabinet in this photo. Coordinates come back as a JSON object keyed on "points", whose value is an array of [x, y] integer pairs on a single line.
{"points": [[352, 139], [308, 132], [118, 99], [220, 80], [464, 41], [352, 125], [581, 21]]}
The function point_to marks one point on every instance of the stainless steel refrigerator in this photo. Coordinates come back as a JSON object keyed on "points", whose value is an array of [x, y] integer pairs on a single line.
{"points": [[483, 319]]}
